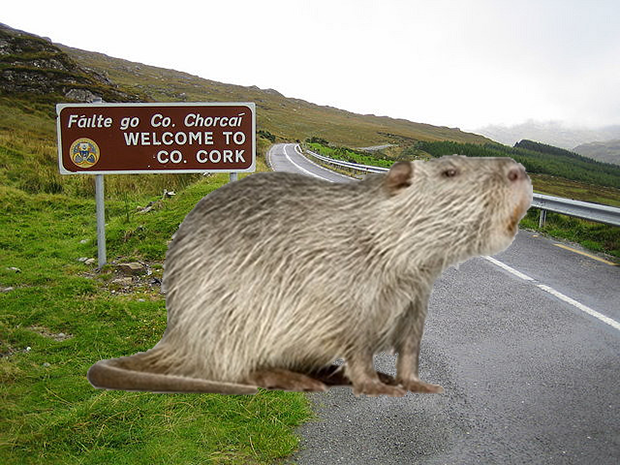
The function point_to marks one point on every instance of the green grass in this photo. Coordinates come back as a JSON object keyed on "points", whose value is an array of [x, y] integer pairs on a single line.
{"points": [[560, 187], [49, 411]]}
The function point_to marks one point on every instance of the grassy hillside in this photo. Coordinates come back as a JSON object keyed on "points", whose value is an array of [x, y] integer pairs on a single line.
{"points": [[286, 118], [31, 65], [606, 151], [573, 163], [555, 171]]}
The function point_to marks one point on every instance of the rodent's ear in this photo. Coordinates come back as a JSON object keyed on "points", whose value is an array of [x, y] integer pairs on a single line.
{"points": [[399, 177]]}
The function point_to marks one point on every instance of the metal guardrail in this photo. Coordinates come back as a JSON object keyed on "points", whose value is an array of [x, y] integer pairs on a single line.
{"points": [[585, 210], [347, 165]]}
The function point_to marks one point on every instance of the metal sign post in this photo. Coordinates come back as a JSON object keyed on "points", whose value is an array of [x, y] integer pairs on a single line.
{"points": [[99, 197], [100, 138]]}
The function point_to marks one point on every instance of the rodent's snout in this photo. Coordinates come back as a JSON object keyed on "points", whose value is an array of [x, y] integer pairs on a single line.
{"points": [[517, 173]]}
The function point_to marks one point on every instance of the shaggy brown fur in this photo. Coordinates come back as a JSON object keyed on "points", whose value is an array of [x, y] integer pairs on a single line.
{"points": [[272, 278]]}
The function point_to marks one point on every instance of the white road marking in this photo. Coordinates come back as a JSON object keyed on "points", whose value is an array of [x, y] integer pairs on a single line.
{"points": [[302, 168], [580, 306], [269, 155], [584, 308], [509, 269]]}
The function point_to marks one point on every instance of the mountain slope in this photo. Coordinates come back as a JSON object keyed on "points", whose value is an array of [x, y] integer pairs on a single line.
{"points": [[33, 68], [35, 75], [287, 118], [607, 152], [550, 132]]}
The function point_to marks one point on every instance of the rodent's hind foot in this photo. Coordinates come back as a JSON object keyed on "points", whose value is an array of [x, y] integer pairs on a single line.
{"points": [[285, 380], [375, 388], [420, 386], [334, 375]]}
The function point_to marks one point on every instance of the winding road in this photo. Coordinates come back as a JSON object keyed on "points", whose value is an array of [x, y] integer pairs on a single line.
{"points": [[527, 347]]}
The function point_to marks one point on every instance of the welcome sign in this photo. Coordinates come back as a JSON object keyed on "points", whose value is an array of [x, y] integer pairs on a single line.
{"points": [[156, 138]]}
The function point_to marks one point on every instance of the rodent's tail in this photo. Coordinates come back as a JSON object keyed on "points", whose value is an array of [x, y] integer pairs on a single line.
{"points": [[114, 374]]}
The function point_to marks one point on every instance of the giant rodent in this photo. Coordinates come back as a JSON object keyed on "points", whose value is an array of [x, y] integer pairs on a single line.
{"points": [[272, 278]]}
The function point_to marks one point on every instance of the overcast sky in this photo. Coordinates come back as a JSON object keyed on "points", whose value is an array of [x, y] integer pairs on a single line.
{"points": [[461, 63]]}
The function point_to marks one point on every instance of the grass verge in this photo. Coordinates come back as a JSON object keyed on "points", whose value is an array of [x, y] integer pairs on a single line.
{"points": [[350, 155], [596, 237]]}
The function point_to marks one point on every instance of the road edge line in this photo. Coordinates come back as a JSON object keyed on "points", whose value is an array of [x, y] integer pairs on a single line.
{"points": [[548, 289], [301, 167]]}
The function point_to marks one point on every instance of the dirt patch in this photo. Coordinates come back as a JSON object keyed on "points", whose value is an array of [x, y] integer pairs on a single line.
{"points": [[46, 332], [112, 278]]}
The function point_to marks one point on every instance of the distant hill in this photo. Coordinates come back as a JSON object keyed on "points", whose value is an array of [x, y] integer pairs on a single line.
{"points": [[550, 132], [608, 152], [287, 118], [537, 158], [36, 69], [572, 165]]}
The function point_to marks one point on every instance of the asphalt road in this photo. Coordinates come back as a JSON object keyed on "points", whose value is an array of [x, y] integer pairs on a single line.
{"points": [[527, 349]]}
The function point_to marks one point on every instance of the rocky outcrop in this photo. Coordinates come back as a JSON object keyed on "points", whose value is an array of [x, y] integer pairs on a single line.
{"points": [[34, 66]]}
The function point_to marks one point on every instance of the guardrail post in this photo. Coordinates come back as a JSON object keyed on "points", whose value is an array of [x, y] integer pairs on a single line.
{"points": [[542, 218]]}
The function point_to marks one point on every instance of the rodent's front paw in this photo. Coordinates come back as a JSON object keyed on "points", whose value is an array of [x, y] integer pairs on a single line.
{"points": [[414, 385], [375, 388]]}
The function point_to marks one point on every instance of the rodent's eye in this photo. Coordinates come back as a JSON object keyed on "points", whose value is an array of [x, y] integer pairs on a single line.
{"points": [[449, 173]]}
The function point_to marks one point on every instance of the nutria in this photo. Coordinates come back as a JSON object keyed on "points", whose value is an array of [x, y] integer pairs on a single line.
{"points": [[272, 278]]}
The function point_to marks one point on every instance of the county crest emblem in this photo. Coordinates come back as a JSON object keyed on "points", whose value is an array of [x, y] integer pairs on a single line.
{"points": [[84, 152]]}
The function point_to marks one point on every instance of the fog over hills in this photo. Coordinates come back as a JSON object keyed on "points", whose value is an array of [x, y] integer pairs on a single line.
{"points": [[550, 132]]}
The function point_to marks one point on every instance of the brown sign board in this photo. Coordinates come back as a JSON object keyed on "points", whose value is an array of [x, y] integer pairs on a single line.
{"points": [[102, 138]]}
